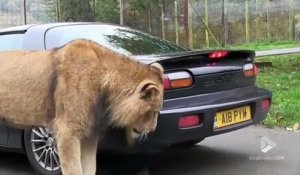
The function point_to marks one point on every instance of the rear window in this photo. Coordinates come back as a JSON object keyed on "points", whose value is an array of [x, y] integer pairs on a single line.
{"points": [[11, 42], [119, 39]]}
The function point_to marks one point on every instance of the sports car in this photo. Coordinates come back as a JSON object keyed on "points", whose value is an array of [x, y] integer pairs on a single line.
{"points": [[207, 92]]}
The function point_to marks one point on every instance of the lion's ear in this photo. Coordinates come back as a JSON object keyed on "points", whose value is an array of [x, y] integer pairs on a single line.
{"points": [[158, 67], [149, 91]]}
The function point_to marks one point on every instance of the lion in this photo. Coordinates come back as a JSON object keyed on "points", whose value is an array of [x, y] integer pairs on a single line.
{"points": [[77, 91]]}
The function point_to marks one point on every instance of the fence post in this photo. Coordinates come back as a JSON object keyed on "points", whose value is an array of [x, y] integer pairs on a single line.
{"points": [[163, 33], [186, 22], [94, 10], [190, 21], [206, 23], [176, 22], [247, 20], [58, 10], [257, 22], [121, 12], [268, 19], [223, 24], [149, 16], [293, 26], [291, 23], [25, 12]]}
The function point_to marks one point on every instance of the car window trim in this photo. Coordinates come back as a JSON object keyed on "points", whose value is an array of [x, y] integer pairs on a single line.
{"points": [[13, 32]]}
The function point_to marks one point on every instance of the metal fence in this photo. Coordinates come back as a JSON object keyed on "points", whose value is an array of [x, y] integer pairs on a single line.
{"points": [[194, 23], [215, 23], [20, 12]]}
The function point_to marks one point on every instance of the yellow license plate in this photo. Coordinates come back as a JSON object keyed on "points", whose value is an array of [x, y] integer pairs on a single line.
{"points": [[232, 116]]}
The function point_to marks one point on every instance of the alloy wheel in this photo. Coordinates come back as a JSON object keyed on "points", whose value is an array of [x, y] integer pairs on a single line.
{"points": [[44, 149]]}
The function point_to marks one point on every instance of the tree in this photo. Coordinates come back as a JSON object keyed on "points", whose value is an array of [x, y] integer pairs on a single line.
{"points": [[137, 13], [141, 13], [76, 10], [108, 11]]}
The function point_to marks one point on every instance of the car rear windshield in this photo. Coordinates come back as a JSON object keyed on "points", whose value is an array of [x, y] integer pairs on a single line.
{"points": [[120, 39], [10, 42]]}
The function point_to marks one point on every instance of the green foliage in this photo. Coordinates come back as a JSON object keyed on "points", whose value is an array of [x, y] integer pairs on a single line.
{"points": [[52, 8], [267, 45], [108, 11], [76, 10], [138, 12], [283, 79]]}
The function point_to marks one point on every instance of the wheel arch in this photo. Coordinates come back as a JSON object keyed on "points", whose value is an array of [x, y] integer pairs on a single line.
{"points": [[15, 138]]}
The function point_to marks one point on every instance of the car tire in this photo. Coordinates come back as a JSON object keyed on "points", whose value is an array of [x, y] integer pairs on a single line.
{"points": [[41, 150], [187, 144]]}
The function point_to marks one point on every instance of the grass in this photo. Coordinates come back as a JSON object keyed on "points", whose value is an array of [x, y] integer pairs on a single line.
{"points": [[283, 79], [268, 45]]}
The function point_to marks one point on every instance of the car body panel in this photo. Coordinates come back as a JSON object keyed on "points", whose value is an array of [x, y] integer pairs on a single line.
{"points": [[3, 135]]}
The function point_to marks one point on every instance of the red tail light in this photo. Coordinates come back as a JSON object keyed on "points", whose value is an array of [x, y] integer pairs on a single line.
{"points": [[177, 80], [265, 104], [218, 55], [250, 70], [167, 83], [188, 121], [255, 70]]}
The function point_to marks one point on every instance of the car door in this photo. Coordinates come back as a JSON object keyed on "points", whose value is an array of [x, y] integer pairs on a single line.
{"points": [[3, 135], [8, 42]]}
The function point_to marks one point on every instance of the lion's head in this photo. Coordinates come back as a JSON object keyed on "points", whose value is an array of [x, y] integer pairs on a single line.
{"points": [[138, 113]]}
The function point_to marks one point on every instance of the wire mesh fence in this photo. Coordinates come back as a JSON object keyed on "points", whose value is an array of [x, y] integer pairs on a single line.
{"points": [[20, 12], [217, 23], [193, 23]]}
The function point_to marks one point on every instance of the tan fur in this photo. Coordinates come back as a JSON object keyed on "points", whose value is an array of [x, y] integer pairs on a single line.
{"points": [[77, 91]]}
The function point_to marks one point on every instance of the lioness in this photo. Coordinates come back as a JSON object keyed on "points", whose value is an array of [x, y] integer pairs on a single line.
{"points": [[77, 91]]}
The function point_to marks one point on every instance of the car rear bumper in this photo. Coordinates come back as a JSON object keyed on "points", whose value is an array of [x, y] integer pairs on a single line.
{"points": [[204, 105]]}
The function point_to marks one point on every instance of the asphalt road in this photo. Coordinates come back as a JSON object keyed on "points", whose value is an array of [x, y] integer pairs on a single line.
{"points": [[235, 153]]}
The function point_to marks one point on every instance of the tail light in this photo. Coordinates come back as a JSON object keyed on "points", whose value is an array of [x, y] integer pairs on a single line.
{"points": [[177, 80], [265, 104], [250, 70], [217, 55], [188, 121]]}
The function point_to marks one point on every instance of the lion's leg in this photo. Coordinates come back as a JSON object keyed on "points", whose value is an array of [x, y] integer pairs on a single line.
{"points": [[89, 155], [69, 151]]}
